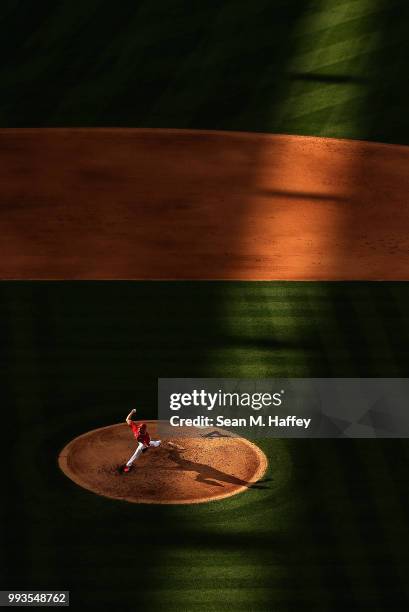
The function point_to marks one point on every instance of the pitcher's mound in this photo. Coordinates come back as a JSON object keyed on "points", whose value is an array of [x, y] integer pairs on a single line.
{"points": [[211, 466]]}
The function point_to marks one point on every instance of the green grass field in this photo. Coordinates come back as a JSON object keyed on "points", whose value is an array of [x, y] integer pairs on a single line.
{"points": [[321, 67], [328, 531]]}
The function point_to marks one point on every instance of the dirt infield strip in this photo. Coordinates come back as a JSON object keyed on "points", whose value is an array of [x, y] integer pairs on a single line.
{"points": [[192, 204], [181, 471]]}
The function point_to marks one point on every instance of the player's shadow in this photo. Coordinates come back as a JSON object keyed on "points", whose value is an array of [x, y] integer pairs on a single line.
{"points": [[210, 475]]}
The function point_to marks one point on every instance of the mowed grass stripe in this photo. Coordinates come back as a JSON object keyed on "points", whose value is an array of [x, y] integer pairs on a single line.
{"points": [[335, 71], [375, 489], [231, 67], [342, 519], [330, 15]]}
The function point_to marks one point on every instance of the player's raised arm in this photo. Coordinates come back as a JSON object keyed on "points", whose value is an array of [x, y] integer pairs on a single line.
{"points": [[128, 418]]}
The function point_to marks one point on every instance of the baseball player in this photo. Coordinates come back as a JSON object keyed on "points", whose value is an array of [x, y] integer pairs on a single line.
{"points": [[143, 439]]}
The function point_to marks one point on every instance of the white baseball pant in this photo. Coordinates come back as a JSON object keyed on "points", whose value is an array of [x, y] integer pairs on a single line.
{"points": [[139, 449]]}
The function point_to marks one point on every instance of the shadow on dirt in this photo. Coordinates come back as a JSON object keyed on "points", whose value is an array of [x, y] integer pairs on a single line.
{"points": [[210, 475]]}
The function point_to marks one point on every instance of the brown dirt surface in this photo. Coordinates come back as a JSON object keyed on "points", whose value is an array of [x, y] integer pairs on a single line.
{"points": [[191, 204], [181, 471]]}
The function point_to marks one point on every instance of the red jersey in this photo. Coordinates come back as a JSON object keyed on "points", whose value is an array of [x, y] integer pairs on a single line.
{"points": [[141, 436]]}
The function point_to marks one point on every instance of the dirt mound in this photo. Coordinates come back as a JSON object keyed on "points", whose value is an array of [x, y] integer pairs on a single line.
{"points": [[181, 471]]}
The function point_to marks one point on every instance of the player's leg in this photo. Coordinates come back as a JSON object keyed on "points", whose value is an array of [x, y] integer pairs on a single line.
{"points": [[135, 455], [155, 443]]}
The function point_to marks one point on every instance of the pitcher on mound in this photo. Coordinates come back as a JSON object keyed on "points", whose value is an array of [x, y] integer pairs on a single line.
{"points": [[143, 439]]}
